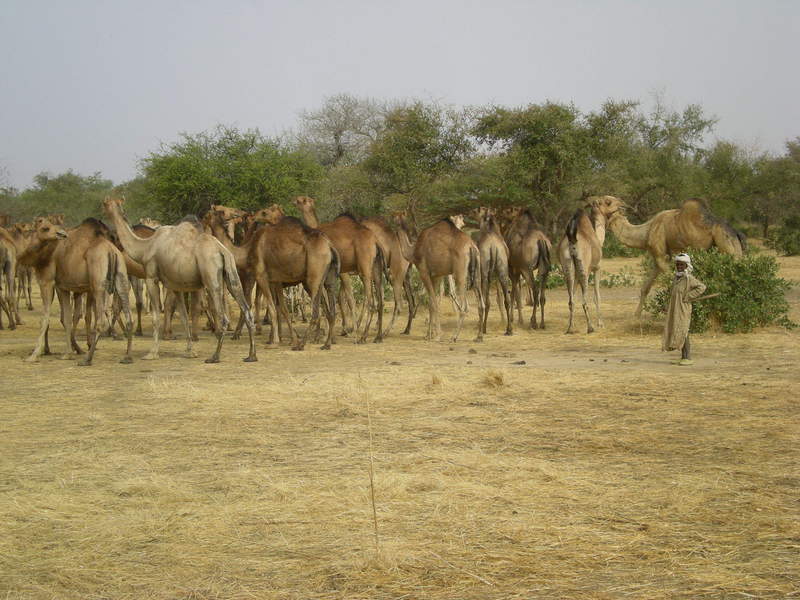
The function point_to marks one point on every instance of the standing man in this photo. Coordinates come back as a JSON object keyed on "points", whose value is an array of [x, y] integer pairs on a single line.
{"points": [[685, 289]]}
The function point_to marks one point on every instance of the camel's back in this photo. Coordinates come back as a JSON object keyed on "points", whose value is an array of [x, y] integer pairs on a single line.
{"points": [[441, 247]]}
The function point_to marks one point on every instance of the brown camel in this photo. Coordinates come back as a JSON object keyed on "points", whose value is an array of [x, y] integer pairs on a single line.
{"points": [[494, 262], [581, 250], [441, 250], [8, 269], [359, 253], [183, 259], [81, 262], [399, 269], [673, 231], [22, 234], [287, 253], [529, 250]]}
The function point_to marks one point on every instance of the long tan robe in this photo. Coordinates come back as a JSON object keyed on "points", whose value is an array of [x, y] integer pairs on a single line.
{"points": [[679, 311]]}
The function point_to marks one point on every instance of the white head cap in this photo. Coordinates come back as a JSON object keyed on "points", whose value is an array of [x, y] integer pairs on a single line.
{"points": [[684, 258]]}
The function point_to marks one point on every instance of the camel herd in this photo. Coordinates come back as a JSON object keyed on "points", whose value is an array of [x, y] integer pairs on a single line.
{"points": [[265, 254]]}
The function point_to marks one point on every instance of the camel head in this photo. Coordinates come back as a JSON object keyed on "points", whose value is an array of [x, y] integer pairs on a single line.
{"points": [[152, 223], [114, 204], [272, 214], [226, 213], [304, 203], [45, 230], [457, 220], [606, 205]]}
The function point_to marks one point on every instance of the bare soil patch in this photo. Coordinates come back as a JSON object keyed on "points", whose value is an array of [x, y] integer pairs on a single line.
{"points": [[534, 466]]}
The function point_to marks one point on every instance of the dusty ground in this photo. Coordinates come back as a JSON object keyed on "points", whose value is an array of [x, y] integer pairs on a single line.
{"points": [[593, 469]]}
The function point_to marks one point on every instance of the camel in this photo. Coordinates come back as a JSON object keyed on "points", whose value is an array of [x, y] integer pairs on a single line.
{"points": [[287, 252], [8, 267], [359, 253], [673, 231], [399, 269], [183, 259], [81, 262], [581, 250], [21, 234], [529, 250], [440, 250], [494, 255]]}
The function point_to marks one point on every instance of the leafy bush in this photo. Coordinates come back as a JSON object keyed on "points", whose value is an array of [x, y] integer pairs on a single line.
{"points": [[751, 293], [786, 239]]}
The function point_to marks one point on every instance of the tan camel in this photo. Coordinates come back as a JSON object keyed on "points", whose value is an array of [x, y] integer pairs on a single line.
{"points": [[529, 250], [673, 231], [8, 269], [581, 250], [359, 253], [287, 253], [441, 250], [81, 262], [494, 255], [183, 259], [399, 269], [22, 234]]}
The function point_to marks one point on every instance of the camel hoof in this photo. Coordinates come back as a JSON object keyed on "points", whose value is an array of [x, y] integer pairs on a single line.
{"points": [[32, 359], [150, 356], [212, 360], [126, 360], [325, 347], [377, 340], [297, 348], [541, 326], [250, 359], [85, 363], [195, 338], [168, 337], [235, 336], [509, 332], [65, 357], [139, 334], [479, 338]]}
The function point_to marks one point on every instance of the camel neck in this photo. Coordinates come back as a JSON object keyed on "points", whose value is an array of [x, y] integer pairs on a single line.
{"points": [[135, 246], [239, 252], [633, 236], [406, 246], [310, 217]]}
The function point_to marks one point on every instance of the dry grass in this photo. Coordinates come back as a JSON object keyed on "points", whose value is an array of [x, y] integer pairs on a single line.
{"points": [[596, 469]]}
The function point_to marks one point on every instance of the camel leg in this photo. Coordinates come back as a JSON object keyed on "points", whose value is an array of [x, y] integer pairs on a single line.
{"points": [[99, 301], [247, 290], [504, 285], [136, 285], [180, 301], [170, 298], [397, 287], [459, 296], [46, 290], [584, 283], [122, 289], [661, 266], [194, 314], [569, 276], [234, 286], [516, 296], [484, 286], [285, 316], [262, 281], [66, 320], [544, 273], [431, 287], [408, 290], [377, 286], [155, 310], [347, 303], [12, 299], [600, 323], [217, 300], [531, 281]]}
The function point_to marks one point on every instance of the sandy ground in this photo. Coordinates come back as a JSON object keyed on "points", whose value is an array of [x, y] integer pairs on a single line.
{"points": [[536, 465]]}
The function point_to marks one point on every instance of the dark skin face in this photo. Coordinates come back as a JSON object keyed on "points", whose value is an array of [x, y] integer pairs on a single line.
{"points": [[681, 266]]}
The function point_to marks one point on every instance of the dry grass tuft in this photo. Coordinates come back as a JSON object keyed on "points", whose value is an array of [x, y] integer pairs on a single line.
{"points": [[494, 379]]}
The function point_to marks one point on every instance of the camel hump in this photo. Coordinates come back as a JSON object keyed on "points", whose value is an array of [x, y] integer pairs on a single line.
{"points": [[97, 227]]}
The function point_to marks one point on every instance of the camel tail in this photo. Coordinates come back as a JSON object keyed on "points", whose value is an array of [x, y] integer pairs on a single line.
{"points": [[473, 269], [111, 273], [335, 266], [572, 230], [380, 266], [229, 273], [544, 256]]}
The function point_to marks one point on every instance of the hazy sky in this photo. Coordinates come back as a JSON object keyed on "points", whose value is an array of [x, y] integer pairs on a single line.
{"points": [[94, 86]]}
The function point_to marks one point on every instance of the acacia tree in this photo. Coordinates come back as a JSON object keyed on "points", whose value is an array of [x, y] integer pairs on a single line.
{"points": [[340, 131], [776, 187], [73, 195], [227, 166], [420, 144], [543, 156]]}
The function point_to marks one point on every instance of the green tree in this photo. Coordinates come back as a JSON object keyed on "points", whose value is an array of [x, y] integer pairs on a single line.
{"points": [[420, 144], [227, 166]]}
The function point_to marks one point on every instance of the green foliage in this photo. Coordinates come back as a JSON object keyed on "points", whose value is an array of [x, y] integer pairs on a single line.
{"points": [[786, 239], [226, 166], [751, 293], [419, 144], [75, 196]]}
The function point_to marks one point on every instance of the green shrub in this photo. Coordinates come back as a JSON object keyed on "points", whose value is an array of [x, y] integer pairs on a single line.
{"points": [[751, 293], [786, 239]]}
